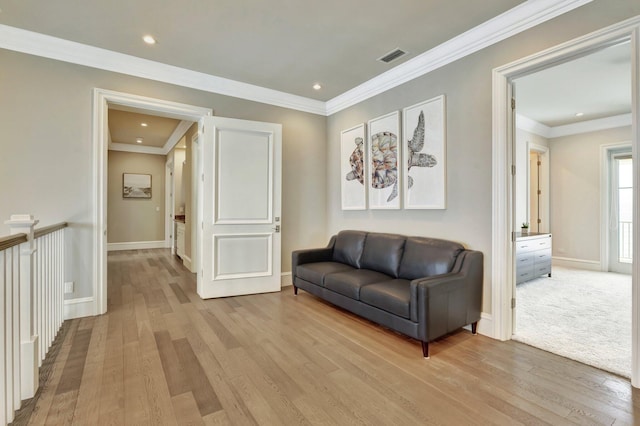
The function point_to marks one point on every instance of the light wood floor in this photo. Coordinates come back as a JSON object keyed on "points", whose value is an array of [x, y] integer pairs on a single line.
{"points": [[163, 356]]}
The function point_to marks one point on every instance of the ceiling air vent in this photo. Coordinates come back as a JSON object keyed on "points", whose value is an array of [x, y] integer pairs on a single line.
{"points": [[392, 56]]}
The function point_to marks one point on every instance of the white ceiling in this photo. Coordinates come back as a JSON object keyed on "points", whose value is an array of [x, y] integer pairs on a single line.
{"points": [[597, 85], [285, 45]]}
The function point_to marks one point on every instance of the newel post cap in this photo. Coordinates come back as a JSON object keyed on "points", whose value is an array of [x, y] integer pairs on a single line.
{"points": [[19, 222]]}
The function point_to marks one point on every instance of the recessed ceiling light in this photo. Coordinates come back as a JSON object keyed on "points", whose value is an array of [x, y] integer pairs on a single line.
{"points": [[144, 124], [149, 39], [139, 140], [317, 86], [579, 114]]}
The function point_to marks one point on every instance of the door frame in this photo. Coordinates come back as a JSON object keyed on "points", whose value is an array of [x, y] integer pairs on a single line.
{"points": [[168, 206], [102, 98], [605, 198], [542, 151], [502, 270]]}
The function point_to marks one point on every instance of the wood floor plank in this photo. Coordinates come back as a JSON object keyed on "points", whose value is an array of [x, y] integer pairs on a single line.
{"points": [[136, 406], [205, 396], [48, 389], [186, 410], [162, 355], [88, 393]]}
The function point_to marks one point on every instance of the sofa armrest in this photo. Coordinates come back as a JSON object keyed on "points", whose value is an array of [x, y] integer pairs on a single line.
{"points": [[444, 303], [300, 257]]}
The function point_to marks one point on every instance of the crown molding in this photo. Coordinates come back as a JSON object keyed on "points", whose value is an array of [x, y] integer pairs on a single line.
{"points": [[512, 22], [532, 126], [591, 126], [33, 43], [139, 149], [535, 127], [177, 134]]}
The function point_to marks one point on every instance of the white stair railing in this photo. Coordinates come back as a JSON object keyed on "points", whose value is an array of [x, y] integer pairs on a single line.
{"points": [[31, 306]]}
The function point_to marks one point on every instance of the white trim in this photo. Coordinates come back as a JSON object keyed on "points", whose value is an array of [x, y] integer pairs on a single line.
{"points": [[532, 126], [502, 270], [512, 22], [286, 279], [502, 254], [591, 126], [169, 223], [33, 43], [567, 262], [180, 130], [485, 325], [78, 308], [186, 261], [139, 149], [635, 138], [101, 99], [136, 245]]}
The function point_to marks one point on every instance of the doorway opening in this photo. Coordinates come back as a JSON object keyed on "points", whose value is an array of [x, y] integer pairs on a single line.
{"points": [[103, 101], [504, 126], [565, 305]]}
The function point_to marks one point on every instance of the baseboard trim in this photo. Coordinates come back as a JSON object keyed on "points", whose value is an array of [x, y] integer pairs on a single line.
{"points": [[589, 265], [485, 325], [136, 245], [186, 261], [286, 279], [78, 308]]}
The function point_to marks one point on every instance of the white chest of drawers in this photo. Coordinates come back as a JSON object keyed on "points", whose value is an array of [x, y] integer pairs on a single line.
{"points": [[533, 256]]}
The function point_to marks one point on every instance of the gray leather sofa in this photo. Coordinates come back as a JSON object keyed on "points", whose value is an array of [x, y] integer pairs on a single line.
{"points": [[421, 287]]}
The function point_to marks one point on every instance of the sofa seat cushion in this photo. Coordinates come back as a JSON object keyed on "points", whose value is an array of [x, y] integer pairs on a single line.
{"points": [[393, 296], [316, 272], [349, 283]]}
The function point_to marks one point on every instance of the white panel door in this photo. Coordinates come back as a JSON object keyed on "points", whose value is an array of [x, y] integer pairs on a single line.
{"points": [[241, 177]]}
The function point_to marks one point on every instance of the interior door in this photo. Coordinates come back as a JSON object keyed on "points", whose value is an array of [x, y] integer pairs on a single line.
{"points": [[241, 177]]}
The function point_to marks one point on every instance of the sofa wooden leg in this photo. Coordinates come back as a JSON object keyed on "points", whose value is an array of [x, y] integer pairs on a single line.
{"points": [[474, 327], [425, 349], [295, 290]]}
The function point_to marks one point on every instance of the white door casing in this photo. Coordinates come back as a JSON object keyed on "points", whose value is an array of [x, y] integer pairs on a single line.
{"points": [[241, 240], [502, 225], [101, 100]]}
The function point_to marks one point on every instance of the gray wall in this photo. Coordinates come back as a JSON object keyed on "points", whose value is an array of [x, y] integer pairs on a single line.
{"points": [[467, 86], [131, 219], [575, 192], [46, 153]]}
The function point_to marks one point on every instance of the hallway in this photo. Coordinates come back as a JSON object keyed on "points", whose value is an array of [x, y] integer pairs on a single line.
{"points": [[161, 355]]}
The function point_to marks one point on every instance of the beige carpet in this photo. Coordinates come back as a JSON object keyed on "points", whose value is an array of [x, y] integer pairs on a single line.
{"points": [[582, 315]]}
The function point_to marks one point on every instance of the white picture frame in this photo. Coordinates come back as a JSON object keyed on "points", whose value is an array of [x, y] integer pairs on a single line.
{"points": [[384, 159], [353, 168], [424, 147]]}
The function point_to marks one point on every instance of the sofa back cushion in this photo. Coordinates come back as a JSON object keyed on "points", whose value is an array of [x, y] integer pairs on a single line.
{"points": [[382, 253], [425, 257], [348, 247]]}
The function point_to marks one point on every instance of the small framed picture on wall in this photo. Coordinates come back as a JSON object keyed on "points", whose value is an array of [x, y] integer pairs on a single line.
{"points": [[136, 185]]}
